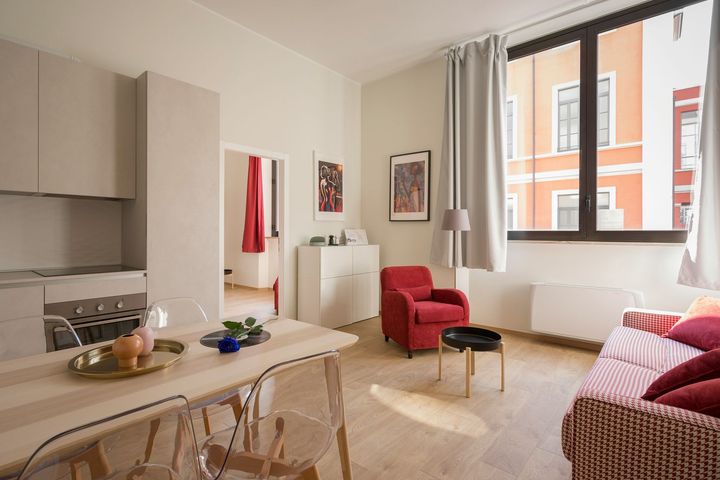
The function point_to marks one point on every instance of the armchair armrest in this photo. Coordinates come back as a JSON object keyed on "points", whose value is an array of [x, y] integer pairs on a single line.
{"points": [[452, 296], [653, 321], [623, 437], [398, 315]]}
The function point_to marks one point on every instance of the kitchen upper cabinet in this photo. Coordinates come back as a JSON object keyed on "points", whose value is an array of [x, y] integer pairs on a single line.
{"points": [[18, 118], [86, 130]]}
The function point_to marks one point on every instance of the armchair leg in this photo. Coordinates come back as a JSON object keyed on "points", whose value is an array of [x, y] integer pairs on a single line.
{"points": [[387, 339], [410, 353]]}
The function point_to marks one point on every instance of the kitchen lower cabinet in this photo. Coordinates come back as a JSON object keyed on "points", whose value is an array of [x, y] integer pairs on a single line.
{"points": [[86, 130], [338, 285], [18, 118]]}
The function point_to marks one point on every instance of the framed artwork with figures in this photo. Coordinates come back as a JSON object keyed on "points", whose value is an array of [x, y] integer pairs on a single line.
{"points": [[410, 187], [329, 177]]}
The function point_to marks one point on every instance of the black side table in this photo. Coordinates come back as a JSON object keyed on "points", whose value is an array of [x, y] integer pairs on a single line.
{"points": [[472, 339]]}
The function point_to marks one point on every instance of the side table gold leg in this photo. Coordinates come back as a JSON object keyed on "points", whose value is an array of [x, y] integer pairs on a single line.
{"points": [[468, 354], [472, 362], [440, 357], [502, 366]]}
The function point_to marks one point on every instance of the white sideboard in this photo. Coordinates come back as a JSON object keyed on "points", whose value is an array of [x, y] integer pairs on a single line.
{"points": [[338, 285]]}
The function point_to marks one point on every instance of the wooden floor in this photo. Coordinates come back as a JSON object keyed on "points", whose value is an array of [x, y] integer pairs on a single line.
{"points": [[404, 424], [248, 301]]}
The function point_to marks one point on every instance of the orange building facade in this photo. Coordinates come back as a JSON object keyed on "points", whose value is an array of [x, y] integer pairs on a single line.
{"points": [[543, 108]]}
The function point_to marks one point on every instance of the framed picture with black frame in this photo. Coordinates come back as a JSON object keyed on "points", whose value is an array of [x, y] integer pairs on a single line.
{"points": [[410, 187]]}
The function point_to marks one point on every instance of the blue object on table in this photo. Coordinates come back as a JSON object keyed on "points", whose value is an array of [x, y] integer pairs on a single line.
{"points": [[228, 345]]}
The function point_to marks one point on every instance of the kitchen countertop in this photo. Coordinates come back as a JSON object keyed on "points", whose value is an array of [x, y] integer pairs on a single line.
{"points": [[21, 278]]}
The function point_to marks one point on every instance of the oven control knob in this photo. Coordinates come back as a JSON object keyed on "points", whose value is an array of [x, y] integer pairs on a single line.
{"points": [[100, 307], [120, 304], [78, 310]]}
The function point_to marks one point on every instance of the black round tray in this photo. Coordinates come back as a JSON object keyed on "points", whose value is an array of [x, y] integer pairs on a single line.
{"points": [[211, 339], [478, 339]]}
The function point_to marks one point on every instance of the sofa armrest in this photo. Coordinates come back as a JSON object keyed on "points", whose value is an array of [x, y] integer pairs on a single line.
{"points": [[623, 437], [653, 321], [452, 296]]}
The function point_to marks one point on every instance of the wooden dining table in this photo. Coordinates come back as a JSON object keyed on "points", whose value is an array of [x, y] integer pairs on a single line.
{"points": [[40, 397]]}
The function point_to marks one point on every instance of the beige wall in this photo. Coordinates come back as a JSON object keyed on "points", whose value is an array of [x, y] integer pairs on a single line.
{"points": [[271, 98], [403, 113]]}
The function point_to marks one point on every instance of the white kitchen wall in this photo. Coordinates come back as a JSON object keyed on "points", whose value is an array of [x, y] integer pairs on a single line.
{"points": [[48, 232], [271, 97], [256, 270], [403, 113]]}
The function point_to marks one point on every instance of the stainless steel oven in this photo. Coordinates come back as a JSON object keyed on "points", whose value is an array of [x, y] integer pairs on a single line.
{"points": [[99, 319]]}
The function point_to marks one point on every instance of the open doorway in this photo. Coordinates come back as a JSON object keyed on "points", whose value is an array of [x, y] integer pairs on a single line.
{"points": [[252, 219]]}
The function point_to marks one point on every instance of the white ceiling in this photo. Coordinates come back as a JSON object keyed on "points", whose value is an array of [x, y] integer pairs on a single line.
{"points": [[368, 39]]}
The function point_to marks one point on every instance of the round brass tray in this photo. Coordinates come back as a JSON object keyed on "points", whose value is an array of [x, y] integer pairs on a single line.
{"points": [[100, 362]]}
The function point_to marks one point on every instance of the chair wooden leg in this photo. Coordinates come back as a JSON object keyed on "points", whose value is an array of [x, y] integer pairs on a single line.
{"points": [[206, 421], [311, 474]]}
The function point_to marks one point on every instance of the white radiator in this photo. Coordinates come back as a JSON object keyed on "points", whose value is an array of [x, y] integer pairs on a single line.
{"points": [[579, 311]]}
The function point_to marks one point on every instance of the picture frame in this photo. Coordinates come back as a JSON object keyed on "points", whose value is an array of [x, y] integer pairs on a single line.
{"points": [[328, 188], [355, 236], [409, 199]]}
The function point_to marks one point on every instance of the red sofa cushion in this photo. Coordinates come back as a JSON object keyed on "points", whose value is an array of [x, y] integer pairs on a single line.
{"points": [[702, 332], [703, 367], [434, 312], [419, 294], [701, 397]]}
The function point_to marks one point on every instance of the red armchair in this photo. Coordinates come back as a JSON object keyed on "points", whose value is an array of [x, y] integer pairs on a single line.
{"points": [[413, 312]]}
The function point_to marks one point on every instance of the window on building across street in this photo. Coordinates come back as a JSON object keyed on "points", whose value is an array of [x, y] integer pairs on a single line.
{"points": [[510, 129], [512, 212], [599, 155], [685, 212], [568, 119], [603, 117], [689, 134]]}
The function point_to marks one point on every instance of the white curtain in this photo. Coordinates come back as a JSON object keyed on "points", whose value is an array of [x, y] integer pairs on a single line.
{"points": [[473, 166], [700, 265]]}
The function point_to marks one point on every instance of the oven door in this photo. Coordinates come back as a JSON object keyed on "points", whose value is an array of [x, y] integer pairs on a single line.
{"points": [[102, 328]]}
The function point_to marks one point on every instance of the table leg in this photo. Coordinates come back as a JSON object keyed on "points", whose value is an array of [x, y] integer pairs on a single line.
{"points": [[502, 366], [472, 362], [440, 357], [468, 353]]}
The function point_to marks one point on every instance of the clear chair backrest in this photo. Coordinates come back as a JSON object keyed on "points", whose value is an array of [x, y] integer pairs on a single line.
{"points": [[174, 312], [25, 336], [288, 422], [155, 441]]}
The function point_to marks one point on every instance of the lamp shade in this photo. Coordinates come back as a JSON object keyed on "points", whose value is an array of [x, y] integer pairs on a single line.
{"points": [[456, 219]]}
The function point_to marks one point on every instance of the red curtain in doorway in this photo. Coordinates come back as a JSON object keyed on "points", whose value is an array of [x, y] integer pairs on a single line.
{"points": [[254, 234]]}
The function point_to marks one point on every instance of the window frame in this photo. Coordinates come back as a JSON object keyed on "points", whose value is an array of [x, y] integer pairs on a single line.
{"points": [[587, 34]]}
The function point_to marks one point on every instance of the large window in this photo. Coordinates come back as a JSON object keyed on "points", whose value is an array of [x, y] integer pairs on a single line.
{"points": [[607, 146]]}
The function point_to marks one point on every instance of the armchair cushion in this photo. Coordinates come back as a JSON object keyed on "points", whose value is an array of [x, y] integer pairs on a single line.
{"points": [[435, 312], [705, 366], [701, 397], [418, 294]]}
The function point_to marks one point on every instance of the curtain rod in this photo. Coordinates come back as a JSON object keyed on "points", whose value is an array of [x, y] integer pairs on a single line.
{"points": [[532, 23]]}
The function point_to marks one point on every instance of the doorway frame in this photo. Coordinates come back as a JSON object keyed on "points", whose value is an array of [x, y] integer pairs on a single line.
{"points": [[283, 237]]}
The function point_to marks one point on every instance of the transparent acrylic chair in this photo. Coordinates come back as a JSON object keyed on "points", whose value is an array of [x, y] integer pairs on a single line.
{"points": [[287, 424], [32, 335], [180, 311], [112, 448], [174, 312]]}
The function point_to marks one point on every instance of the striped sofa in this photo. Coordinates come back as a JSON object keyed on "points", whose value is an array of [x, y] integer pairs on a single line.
{"points": [[610, 433]]}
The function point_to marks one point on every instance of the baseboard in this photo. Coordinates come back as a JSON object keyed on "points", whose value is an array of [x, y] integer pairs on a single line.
{"points": [[568, 342]]}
